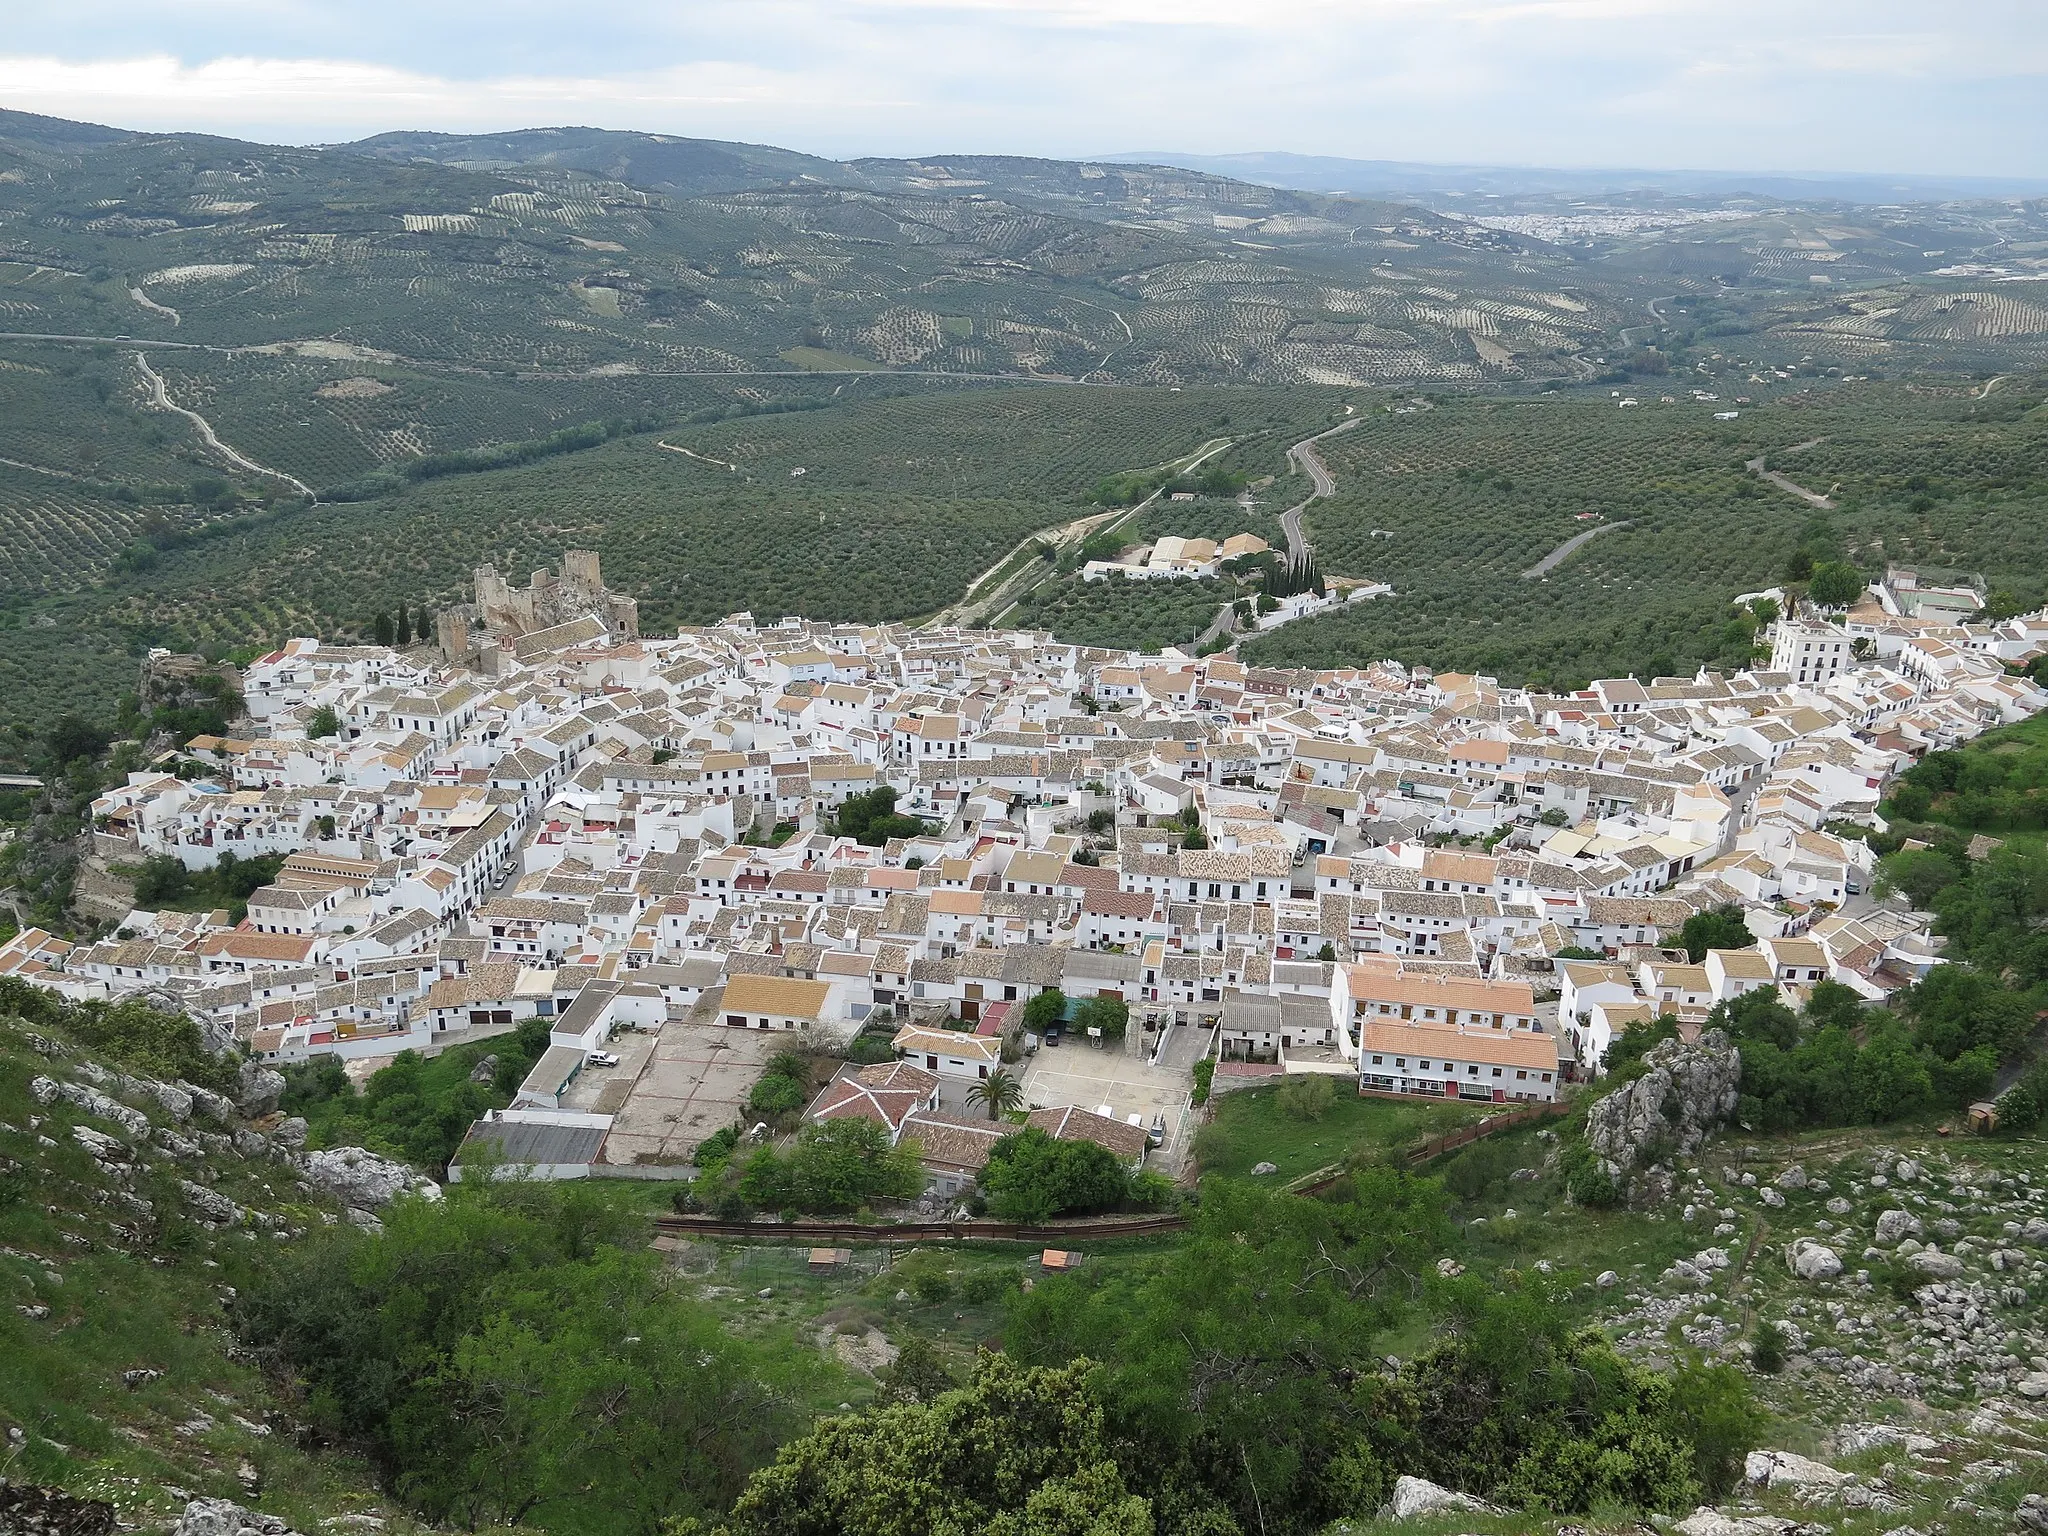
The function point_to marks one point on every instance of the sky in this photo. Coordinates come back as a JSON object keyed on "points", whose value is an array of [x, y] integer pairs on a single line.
{"points": [[1956, 87]]}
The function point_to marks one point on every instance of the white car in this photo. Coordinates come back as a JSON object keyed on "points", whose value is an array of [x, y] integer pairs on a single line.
{"points": [[603, 1059]]}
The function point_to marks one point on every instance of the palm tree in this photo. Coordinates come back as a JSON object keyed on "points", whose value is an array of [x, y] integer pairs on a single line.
{"points": [[1000, 1091]]}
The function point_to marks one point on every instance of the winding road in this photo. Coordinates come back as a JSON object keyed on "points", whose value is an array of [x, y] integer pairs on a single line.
{"points": [[161, 399], [1324, 483]]}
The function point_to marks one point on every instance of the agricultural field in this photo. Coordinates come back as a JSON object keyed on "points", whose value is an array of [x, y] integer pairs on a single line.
{"points": [[1452, 504], [1126, 615], [901, 503]]}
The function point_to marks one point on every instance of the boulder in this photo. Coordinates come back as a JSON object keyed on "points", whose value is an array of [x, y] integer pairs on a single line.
{"points": [[1784, 1469], [1711, 1522], [1265, 1168], [214, 1106], [1684, 1093], [2032, 1513], [224, 1517], [176, 1102], [1415, 1496], [259, 1090], [290, 1133], [1935, 1264], [1851, 1439], [211, 1203], [1607, 1280], [103, 1147], [1810, 1260], [362, 1179], [1894, 1225], [1792, 1178], [2034, 1231], [482, 1073]]}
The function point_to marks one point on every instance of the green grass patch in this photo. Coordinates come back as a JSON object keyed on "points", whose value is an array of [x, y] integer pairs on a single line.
{"points": [[1251, 1128]]}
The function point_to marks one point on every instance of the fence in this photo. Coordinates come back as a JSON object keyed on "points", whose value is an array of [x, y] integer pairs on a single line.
{"points": [[920, 1231], [1492, 1125]]}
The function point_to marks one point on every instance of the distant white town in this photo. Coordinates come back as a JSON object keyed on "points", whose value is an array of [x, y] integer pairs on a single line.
{"points": [[1414, 883]]}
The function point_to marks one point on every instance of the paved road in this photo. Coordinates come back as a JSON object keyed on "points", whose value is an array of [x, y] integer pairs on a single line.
{"points": [[112, 341], [1563, 552], [161, 399], [968, 612], [1324, 483]]}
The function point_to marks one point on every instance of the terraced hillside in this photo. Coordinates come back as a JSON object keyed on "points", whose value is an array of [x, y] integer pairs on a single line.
{"points": [[520, 253]]}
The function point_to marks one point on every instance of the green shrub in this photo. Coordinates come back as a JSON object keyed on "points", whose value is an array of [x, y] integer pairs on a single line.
{"points": [[1307, 1096]]}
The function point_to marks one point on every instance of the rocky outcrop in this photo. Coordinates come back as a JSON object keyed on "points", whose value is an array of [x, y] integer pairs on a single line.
{"points": [[361, 1179], [1669, 1111], [1415, 1496], [260, 1090], [32, 1511], [224, 1517]]}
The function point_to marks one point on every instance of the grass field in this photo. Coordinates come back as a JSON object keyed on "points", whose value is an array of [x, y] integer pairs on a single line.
{"points": [[1250, 1127]]}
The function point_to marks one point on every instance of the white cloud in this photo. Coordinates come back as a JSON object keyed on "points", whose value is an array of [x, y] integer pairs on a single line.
{"points": [[1835, 84]]}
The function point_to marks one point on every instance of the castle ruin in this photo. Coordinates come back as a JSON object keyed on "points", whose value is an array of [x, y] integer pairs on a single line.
{"points": [[549, 612]]}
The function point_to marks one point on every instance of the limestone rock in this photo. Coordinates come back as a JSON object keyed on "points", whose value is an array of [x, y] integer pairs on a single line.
{"points": [[1810, 1260], [1792, 1178], [1711, 1522], [1263, 1168], [1684, 1093], [1784, 1469], [205, 1101], [259, 1090], [210, 1203], [362, 1179], [224, 1517], [1415, 1496], [2032, 1513], [1935, 1264], [133, 1122], [484, 1071], [1607, 1280], [1894, 1225], [291, 1133]]}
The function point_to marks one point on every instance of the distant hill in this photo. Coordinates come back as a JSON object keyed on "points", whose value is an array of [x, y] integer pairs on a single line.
{"points": [[1415, 179]]}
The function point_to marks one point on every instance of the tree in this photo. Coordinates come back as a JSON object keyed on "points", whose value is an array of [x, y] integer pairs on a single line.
{"points": [[1716, 928], [383, 630], [323, 722], [840, 1165], [1031, 1177], [164, 878], [1918, 874], [1018, 1451], [871, 819], [1835, 584], [1000, 1091], [509, 1353], [1327, 952], [1044, 1009], [1106, 1017], [1307, 1097]]}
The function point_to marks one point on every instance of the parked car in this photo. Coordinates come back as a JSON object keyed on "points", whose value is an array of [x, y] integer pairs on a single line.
{"points": [[1053, 1033], [1156, 1136], [603, 1059]]}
